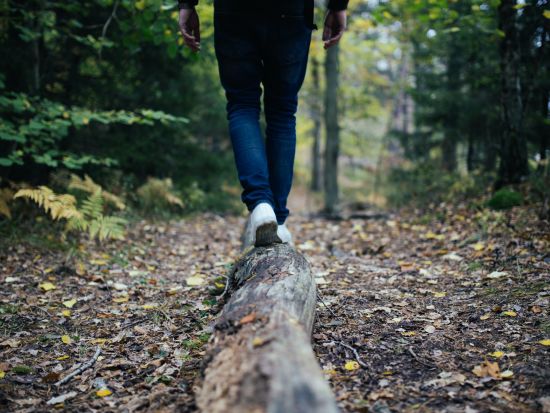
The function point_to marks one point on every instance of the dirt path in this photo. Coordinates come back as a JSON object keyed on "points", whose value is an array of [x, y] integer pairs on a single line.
{"points": [[414, 305]]}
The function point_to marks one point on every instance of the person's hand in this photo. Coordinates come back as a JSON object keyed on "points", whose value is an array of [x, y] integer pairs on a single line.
{"points": [[190, 28], [335, 25]]}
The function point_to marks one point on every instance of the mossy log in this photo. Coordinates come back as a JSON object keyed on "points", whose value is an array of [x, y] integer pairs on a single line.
{"points": [[260, 357]]}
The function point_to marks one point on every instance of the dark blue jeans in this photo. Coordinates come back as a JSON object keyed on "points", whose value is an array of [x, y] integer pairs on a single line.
{"points": [[258, 50]]}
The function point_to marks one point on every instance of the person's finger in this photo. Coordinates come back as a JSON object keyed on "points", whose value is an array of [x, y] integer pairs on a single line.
{"points": [[333, 40], [188, 38]]}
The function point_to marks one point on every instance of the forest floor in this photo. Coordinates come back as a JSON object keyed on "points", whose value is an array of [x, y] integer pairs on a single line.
{"points": [[444, 311]]}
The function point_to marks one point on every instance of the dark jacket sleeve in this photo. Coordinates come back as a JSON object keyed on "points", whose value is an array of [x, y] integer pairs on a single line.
{"points": [[338, 5], [186, 4]]}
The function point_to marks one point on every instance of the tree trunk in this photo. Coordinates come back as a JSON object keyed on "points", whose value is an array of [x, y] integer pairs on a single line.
{"points": [[513, 148], [332, 146], [451, 134], [316, 116], [260, 358]]}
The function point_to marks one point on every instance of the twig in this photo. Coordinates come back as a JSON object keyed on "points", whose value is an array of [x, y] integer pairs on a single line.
{"points": [[357, 357], [326, 306], [79, 370], [418, 358], [107, 23]]}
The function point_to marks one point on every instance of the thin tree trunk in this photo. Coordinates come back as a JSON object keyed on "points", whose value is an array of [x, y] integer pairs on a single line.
{"points": [[316, 116], [332, 146], [513, 148], [450, 137]]}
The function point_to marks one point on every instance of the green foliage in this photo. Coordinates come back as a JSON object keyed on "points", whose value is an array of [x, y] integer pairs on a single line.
{"points": [[505, 198], [33, 130]]}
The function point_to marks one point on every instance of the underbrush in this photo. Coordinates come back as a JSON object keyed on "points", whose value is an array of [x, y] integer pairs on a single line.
{"points": [[426, 184]]}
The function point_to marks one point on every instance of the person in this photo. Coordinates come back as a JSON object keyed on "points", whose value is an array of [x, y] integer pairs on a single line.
{"points": [[263, 43]]}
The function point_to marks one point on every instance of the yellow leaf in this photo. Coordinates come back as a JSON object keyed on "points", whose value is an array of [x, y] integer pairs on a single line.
{"points": [[257, 341], [99, 341], [497, 354], [121, 299], [195, 280], [478, 246], [47, 286], [69, 303], [149, 306], [64, 357], [545, 342], [351, 365], [66, 313], [439, 294], [2, 374], [487, 369], [485, 316], [408, 333], [66, 339], [510, 313], [104, 392], [546, 13], [507, 374]]}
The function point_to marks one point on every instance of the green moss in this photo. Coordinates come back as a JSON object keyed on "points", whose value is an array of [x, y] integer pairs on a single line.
{"points": [[505, 199]]}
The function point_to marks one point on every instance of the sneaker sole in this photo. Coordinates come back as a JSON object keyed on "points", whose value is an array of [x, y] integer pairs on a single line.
{"points": [[266, 234]]}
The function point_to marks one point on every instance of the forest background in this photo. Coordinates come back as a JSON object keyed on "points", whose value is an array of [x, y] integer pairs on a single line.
{"points": [[424, 101]]}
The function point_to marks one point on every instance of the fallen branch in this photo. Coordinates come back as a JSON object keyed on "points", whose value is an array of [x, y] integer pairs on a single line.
{"points": [[356, 354], [259, 358], [79, 370]]}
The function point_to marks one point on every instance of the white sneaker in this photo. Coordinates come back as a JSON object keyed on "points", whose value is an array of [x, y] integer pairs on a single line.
{"points": [[263, 226], [284, 234]]}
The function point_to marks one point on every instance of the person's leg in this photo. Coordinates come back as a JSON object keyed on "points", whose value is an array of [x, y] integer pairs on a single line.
{"points": [[285, 61], [237, 43]]}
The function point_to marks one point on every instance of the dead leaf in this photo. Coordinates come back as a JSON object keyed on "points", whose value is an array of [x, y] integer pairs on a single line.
{"points": [[486, 369], [103, 392], [351, 365], [61, 399], [248, 318], [69, 303], [47, 286]]}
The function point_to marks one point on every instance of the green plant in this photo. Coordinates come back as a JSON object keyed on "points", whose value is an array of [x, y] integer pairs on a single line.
{"points": [[157, 195], [89, 218], [505, 199], [33, 128]]}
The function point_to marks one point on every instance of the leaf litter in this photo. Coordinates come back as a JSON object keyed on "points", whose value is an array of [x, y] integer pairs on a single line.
{"points": [[430, 322]]}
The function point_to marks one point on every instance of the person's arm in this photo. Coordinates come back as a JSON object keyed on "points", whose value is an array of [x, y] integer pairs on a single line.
{"points": [[335, 22], [189, 24]]}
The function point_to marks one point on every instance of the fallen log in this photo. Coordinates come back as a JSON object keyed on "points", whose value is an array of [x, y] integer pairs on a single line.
{"points": [[260, 357]]}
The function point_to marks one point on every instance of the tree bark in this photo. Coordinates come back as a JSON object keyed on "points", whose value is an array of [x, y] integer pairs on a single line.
{"points": [[332, 146], [513, 148], [316, 116], [260, 357]]}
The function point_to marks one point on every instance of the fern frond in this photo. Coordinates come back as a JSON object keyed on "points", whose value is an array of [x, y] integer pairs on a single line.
{"points": [[88, 185], [6, 195], [92, 207], [110, 227], [157, 191], [58, 206]]}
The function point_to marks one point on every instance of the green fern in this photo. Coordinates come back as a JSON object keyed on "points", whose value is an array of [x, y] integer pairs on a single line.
{"points": [[107, 228], [92, 207], [88, 185]]}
